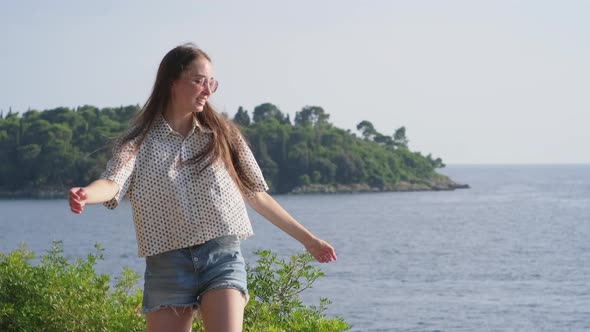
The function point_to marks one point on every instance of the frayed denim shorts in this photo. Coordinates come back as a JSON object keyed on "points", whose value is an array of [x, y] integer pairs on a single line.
{"points": [[179, 278]]}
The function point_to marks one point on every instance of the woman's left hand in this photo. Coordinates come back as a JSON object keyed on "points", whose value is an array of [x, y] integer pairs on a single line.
{"points": [[321, 250]]}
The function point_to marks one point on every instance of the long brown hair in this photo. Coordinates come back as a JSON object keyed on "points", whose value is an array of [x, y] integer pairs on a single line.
{"points": [[224, 146]]}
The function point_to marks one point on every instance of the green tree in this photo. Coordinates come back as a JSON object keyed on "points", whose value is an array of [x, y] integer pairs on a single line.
{"points": [[399, 137], [268, 111], [436, 163], [382, 139], [242, 118], [311, 116], [367, 129]]}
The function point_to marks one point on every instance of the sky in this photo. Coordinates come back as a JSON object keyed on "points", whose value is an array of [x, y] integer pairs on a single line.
{"points": [[473, 82]]}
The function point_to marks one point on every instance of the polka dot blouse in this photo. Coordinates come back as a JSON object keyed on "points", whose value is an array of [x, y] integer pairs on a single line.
{"points": [[174, 206]]}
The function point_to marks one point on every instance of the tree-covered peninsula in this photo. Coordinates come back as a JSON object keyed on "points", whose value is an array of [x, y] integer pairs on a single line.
{"points": [[45, 152]]}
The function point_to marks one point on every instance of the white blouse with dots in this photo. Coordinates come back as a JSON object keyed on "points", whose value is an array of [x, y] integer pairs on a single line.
{"points": [[174, 206]]}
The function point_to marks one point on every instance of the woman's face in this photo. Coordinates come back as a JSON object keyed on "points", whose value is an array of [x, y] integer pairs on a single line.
{"points": [[194, 86]]}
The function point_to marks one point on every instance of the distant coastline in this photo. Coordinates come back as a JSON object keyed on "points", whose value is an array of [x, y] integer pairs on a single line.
{"points": [[441, 184], [49, 151], [33, 194]]}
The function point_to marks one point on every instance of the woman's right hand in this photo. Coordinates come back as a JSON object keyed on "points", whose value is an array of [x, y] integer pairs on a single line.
{"points": [[77, 198]]}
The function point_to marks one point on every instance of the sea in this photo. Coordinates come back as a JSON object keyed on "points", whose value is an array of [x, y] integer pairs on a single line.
{"points": [[512, 253]]}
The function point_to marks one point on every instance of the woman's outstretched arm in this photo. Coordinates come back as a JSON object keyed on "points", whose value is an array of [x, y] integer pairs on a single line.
{"points": [[267, 207], [97, 192]]}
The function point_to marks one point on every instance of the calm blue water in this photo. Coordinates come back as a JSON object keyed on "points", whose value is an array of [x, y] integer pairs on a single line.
{"points": [[510, 254]]}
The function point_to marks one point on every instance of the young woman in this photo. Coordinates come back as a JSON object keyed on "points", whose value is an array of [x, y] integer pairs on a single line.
{"points": [[186, 170]]}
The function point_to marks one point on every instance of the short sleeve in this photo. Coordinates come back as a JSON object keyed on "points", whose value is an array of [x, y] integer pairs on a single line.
{"points": [[250, 168], [120, 170]]}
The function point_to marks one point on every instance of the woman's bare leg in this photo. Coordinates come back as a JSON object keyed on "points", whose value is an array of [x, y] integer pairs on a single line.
{"points": [[222, 310], [172, 319]]}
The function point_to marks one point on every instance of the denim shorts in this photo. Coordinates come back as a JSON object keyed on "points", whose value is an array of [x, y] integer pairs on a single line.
{"points": [[179, 278]]}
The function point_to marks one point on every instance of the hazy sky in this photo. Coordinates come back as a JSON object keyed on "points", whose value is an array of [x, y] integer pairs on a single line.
{"points": [[472, 81]]}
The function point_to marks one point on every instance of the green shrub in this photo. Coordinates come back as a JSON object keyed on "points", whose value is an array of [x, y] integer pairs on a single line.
{"points": [[56, 295], [274, 286]]}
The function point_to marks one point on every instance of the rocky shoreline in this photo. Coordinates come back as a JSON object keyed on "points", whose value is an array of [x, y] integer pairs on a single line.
{"points": [[33, 194], [402, 186], [442, 183]]}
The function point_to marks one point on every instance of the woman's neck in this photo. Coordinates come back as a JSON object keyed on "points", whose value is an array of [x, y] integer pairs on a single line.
{"points": [[180, 122]]}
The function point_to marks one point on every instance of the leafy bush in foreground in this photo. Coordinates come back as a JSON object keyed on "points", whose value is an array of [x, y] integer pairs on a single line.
{"points": [[57, 295], [274, 286]]}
